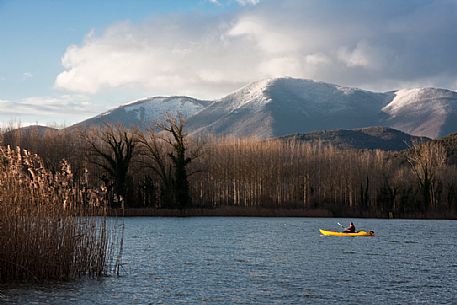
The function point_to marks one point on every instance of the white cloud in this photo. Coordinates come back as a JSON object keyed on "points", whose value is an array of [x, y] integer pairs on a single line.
{"points": [[26, 75], [317, 59], [215, 2], [282, 66], [268, 38], [354, 42], [355, 57], [248, 2], [240, 2], [183, 56], [61, 109], [46, 105]]}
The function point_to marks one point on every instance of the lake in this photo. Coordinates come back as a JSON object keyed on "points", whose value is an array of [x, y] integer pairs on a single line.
{"points": [[250, 260]]}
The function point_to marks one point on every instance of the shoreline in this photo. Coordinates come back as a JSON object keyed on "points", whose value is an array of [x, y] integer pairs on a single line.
{"points": [[265, 212], [220, 212]]}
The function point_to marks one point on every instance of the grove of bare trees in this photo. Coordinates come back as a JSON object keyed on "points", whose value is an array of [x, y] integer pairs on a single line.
{"points": [[166, 168]]}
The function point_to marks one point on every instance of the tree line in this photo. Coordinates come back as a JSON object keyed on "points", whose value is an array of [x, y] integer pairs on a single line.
{"points": [[164, 167]]}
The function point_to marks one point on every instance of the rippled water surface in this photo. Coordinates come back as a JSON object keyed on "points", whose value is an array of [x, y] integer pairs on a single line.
{"points": [[269, 261]]}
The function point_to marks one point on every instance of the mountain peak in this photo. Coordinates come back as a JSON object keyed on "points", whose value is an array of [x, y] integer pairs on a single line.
{"points": [[258, 94], [143, 113], [429, 112]]}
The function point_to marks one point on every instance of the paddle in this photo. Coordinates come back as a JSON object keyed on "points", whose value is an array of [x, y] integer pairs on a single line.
{"points": [[344, 228]]}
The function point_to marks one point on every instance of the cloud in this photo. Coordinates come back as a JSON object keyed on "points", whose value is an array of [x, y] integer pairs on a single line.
{"points": [[26, 75], [357, 57], [240, 2], [370, 44], [248, 2], [191, 56], [65, 104]]}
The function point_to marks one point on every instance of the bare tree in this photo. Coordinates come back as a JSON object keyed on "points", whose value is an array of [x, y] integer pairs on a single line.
{"points": [[112, 148], [179, 158], [425, 160], [154, 157], [167, 155]]}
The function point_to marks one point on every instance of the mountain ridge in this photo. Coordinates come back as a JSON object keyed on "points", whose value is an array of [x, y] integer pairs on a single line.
{"points": [[142, 113], [281, 106], [377, 137]]}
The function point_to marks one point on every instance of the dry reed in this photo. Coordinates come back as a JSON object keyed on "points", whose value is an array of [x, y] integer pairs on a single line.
{"points": [[51, 229]]}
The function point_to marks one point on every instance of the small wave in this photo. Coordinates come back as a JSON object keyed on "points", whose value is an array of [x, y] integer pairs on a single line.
{"points": [[375, 254], [309, 295], [349, 252]]}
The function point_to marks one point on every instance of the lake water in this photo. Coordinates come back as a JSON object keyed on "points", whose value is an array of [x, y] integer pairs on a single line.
{"points": [[235, 260]]}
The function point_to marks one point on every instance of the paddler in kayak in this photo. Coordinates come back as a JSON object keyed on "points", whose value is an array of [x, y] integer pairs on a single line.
{"points": [[350, 229]]}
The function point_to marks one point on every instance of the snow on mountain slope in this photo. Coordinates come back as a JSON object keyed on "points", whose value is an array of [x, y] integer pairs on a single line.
{"points": [[145, 112], [304, 105], [155, 108], [240, 113], [282, 106], [426, 112]]}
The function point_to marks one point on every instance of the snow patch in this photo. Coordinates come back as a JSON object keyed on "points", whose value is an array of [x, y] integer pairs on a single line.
{"points": [[346, 90], [423, 99], [155, 108], [252, 96]]}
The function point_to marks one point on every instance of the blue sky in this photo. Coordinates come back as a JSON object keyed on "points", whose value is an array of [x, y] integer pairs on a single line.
{"points": [[35, 34], [64, 61]]}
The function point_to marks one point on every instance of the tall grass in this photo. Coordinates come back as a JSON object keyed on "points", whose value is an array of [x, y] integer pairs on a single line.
{"points": [[51, 228]]}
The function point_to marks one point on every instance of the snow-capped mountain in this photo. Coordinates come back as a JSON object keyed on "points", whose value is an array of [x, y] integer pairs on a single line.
{"points": [[145, 112], [282, 106]]}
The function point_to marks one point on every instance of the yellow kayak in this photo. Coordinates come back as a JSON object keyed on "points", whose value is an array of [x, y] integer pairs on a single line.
{"points": [[334, 233]]}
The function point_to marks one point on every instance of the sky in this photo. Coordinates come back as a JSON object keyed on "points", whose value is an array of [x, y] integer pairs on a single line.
{"points": [[65, 61]]}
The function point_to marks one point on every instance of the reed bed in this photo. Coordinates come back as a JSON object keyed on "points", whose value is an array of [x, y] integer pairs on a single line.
{"points": [[51, 228]]}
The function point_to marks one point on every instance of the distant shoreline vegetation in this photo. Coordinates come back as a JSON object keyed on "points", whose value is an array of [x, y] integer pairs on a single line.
{"points": [[166, 169]]}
